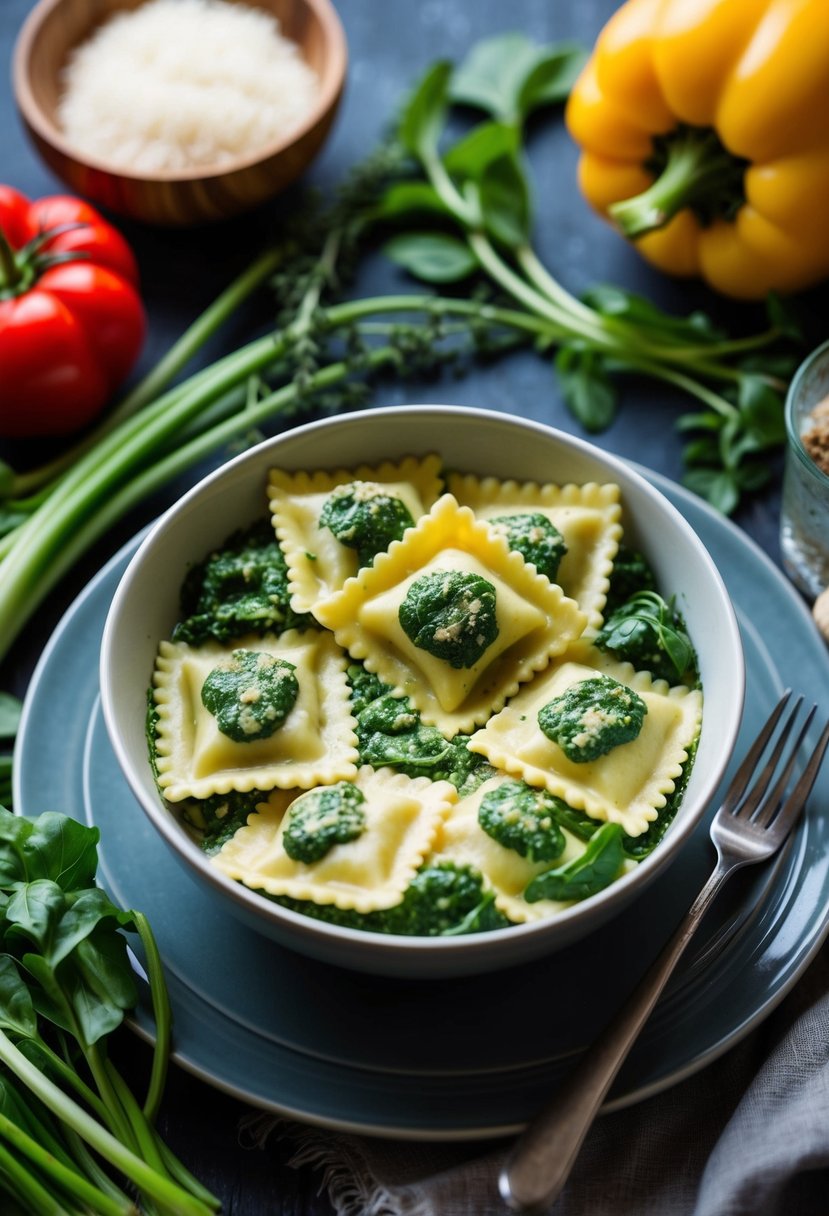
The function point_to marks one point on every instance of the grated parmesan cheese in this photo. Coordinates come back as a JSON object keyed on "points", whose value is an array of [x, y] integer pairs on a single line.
{"points": [[178, 84]]}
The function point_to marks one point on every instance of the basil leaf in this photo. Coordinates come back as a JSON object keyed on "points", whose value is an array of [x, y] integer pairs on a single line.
{"points": [[434, 257], [549, 82], [718, 487], [508, 76], [613, 301]]}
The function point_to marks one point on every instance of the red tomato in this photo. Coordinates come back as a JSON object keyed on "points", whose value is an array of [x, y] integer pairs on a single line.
{"points": [[71, 319]]}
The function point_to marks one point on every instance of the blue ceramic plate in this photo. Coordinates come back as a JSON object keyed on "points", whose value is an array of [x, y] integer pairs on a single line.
{"points": [[435, 1059]]}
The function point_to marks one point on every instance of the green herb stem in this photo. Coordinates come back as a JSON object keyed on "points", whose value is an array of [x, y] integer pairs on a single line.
{"points": [[63, 1176], [162, 1015], [68, 1111]]}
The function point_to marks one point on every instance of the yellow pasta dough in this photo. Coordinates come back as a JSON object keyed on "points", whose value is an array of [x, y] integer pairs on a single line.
{"points": [[315, 745], [505, 871], [318, 564], [588, 518], [534, 619], [402, 818], [631, 782]]}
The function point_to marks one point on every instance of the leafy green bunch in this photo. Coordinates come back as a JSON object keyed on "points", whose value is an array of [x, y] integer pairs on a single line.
{"points": [[73, 1138]]}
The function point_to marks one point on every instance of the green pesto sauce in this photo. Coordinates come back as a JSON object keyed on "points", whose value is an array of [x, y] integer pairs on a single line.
{"points": [[592, 717], [364, 516], [250, 694], [322, 818], [451, 615], [522, 818], [535, 537]]}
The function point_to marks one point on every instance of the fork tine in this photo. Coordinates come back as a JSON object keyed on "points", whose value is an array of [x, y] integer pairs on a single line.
{"points": [[796, 800], [769, 804], [745, 772]]}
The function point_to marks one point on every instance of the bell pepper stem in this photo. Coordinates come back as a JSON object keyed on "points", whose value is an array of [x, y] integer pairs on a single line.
{"points": [[694, 170]]}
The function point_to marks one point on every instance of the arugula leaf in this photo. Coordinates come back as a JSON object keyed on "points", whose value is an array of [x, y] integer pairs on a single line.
{"points": [[434, 257]]}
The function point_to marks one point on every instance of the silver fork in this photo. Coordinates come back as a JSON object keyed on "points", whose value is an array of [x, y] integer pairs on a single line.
{"points": [[752, 823]]}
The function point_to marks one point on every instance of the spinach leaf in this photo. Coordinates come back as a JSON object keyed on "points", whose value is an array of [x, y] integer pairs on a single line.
{"points": [[433, 257], [508, 76], [586, 386], [10, 710], [586, 875], [425, 112]]}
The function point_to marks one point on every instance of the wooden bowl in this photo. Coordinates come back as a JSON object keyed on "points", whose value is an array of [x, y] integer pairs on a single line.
{"points": [[55, 27]]}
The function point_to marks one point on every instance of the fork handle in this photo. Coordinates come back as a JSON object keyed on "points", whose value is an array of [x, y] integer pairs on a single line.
{"points": [[544, 1154]]}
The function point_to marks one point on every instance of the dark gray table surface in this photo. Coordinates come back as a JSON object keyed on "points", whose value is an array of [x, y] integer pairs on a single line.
{"points": [[390, 42]]}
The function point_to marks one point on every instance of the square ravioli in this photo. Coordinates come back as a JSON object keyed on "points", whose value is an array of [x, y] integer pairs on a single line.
{"points": [[318, 562], [505, 871], [588, 518], [315, 743], [630, 782], [400, 817], [452, 618]]}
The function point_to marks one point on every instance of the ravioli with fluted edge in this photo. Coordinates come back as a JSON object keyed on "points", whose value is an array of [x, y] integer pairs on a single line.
{"points": [[460, 731], [316, 742], [465, 662], [588, 518], [318, 560], [369, 871], [629, 783]]}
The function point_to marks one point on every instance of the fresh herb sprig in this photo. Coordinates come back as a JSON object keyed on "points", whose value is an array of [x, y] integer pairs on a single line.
{"points": [[467, 212]]}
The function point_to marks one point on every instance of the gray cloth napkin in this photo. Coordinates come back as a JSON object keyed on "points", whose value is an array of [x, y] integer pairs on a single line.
{"points": [[746, 1136]]}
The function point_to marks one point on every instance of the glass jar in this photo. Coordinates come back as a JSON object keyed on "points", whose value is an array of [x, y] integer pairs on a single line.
{"points": [[804, 529]]}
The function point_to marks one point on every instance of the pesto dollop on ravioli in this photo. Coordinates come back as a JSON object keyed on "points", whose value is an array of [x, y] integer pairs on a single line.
{"points": [[535, 537], [364, 516], [592, 717], [321, 818], [250, 694], [451, 615]]}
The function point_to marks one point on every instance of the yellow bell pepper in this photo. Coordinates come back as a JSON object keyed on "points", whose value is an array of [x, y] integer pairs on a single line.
{"points": [[704, 134]]}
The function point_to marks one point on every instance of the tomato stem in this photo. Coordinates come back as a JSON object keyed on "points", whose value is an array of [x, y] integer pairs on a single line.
{"points": [[9, 269]]}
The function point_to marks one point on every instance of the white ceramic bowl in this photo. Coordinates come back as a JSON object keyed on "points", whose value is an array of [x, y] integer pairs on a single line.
{"points": [[145, 607]]}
